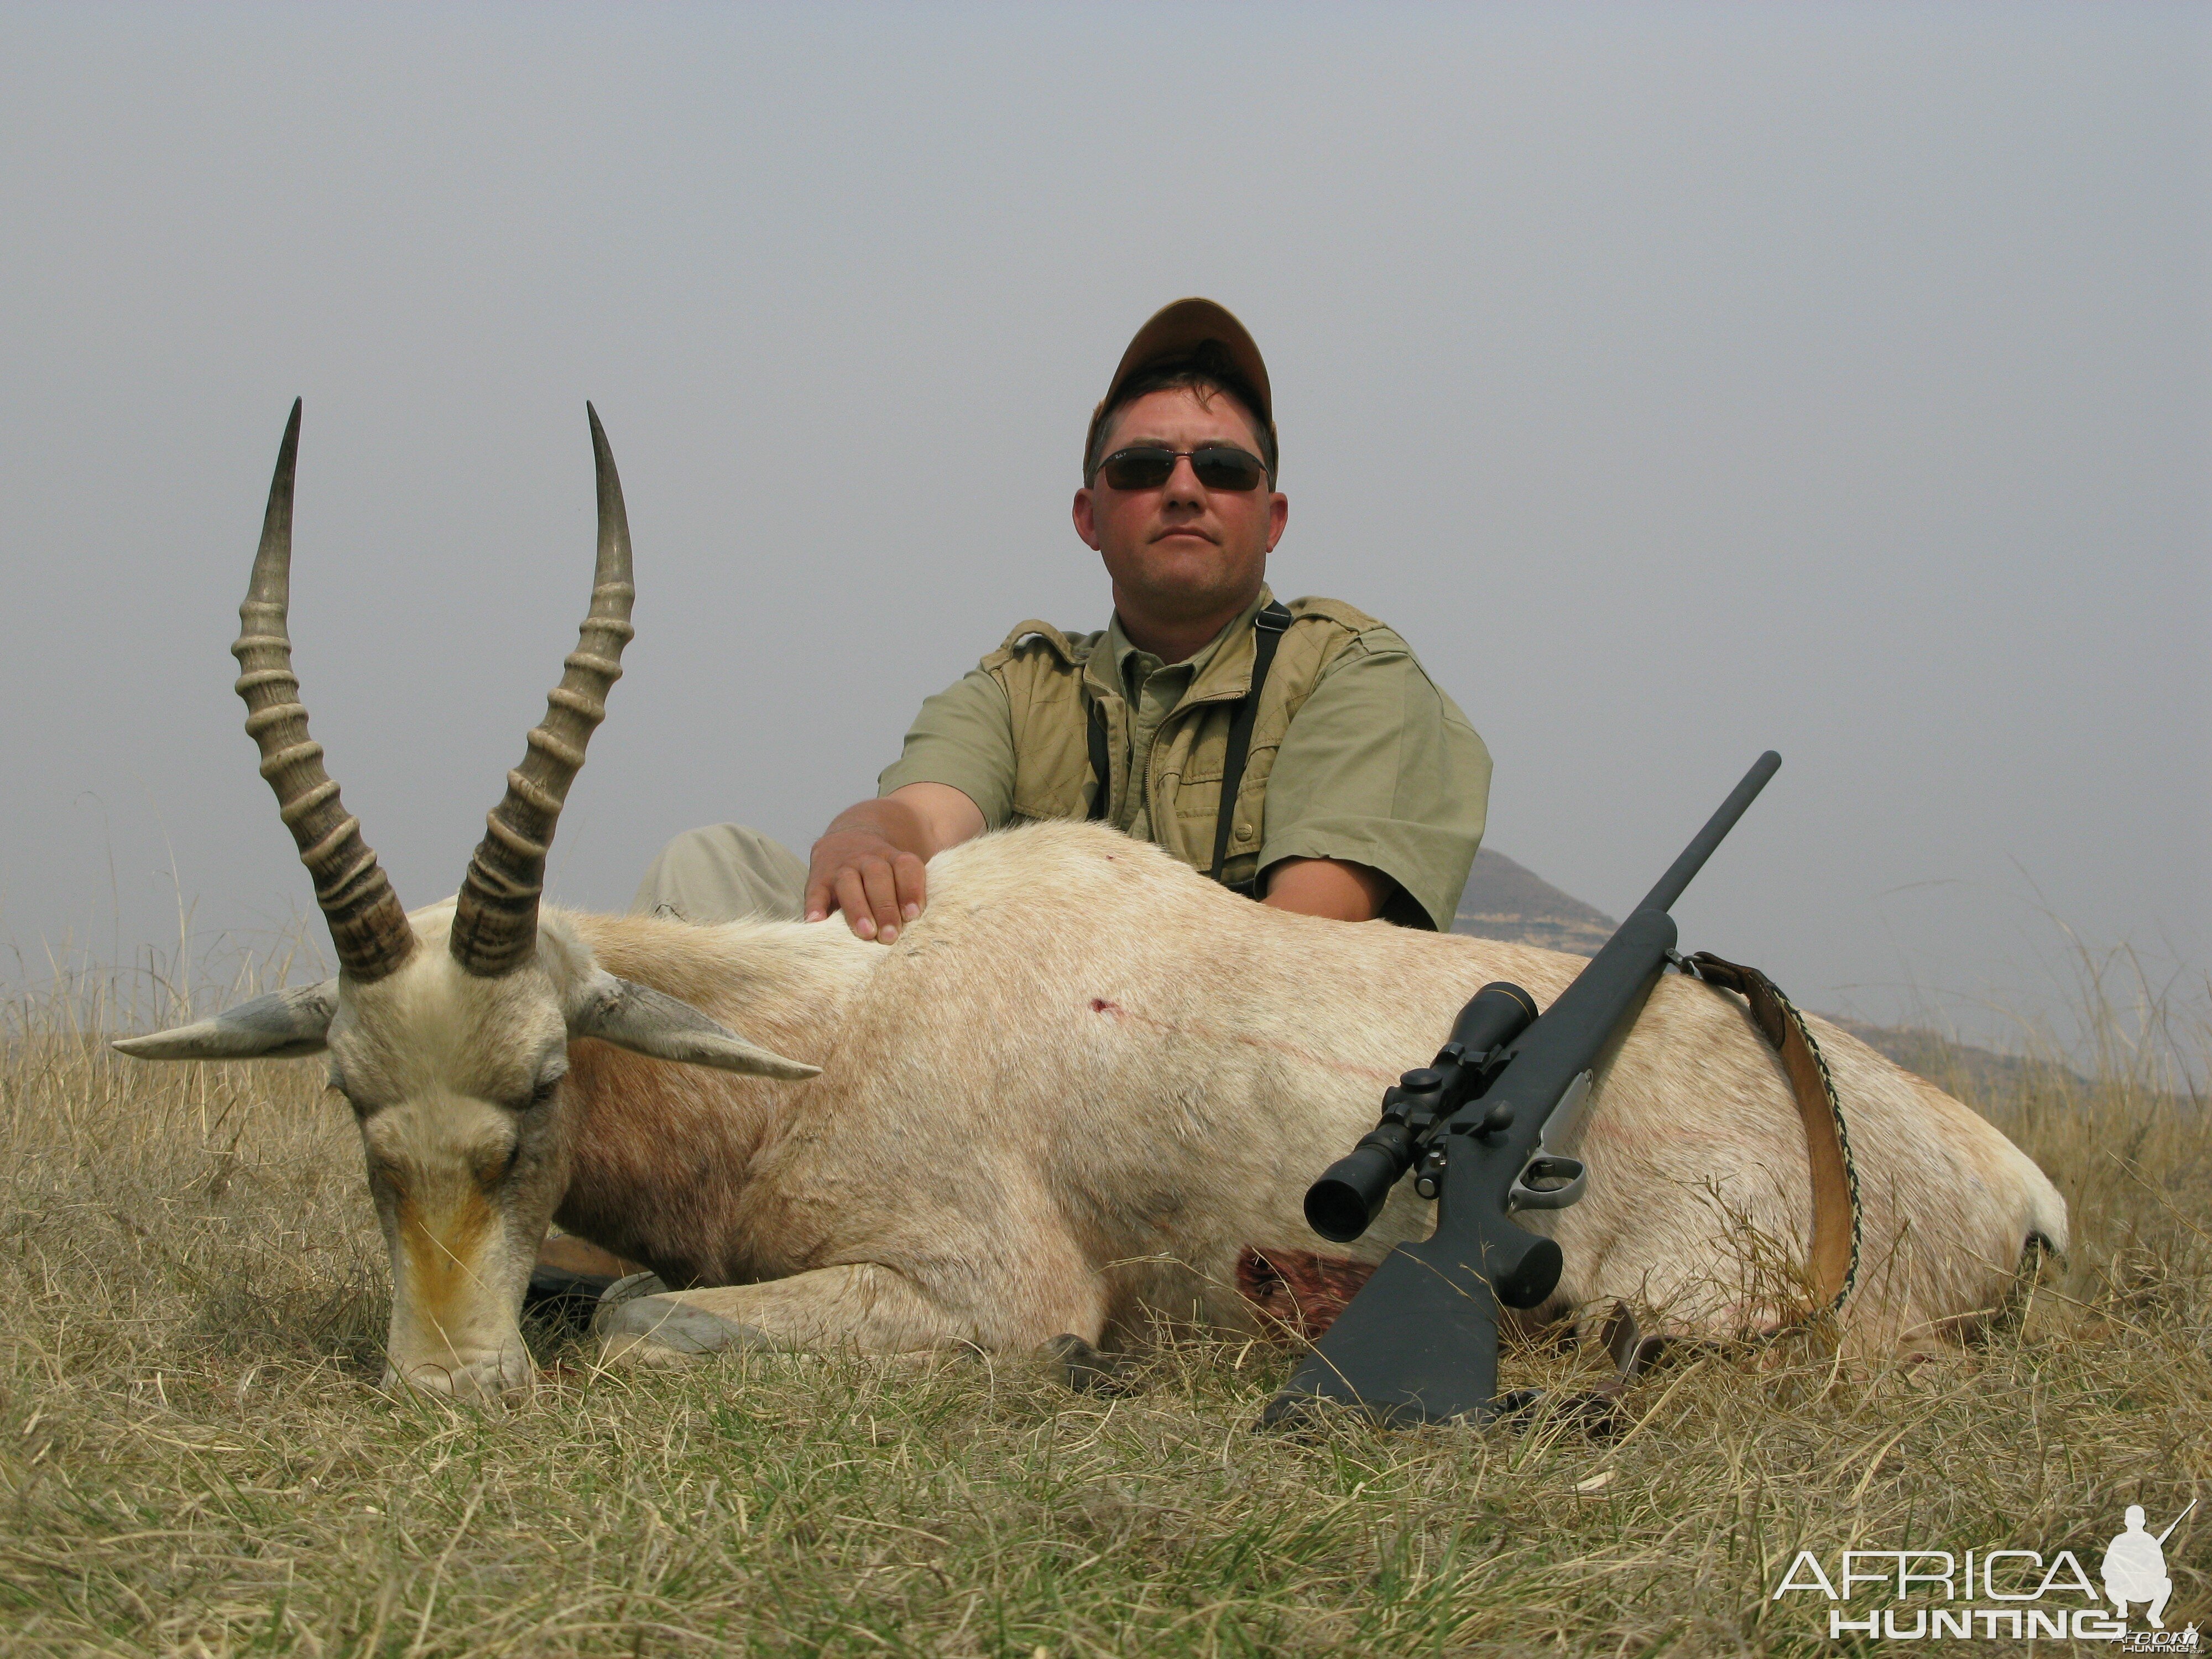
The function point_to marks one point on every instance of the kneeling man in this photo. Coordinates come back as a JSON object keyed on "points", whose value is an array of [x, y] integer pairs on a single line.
{"points": [[2134, 1569], [1296, 753]]}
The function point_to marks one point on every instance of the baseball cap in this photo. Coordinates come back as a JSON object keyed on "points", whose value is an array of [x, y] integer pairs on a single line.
{"points": [[1201, 334]]}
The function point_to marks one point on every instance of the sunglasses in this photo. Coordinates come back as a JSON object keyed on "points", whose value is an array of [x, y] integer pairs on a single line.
{"points": [[1219, 466]]}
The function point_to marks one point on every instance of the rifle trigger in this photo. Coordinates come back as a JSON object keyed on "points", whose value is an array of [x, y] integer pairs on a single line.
{"points": [[1570, 1173]]}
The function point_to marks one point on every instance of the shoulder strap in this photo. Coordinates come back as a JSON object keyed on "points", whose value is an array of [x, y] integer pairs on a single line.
{"points": [[1102, 769], [1350, 617], [1834, 1265], [1267, 628], [1062, 642]]}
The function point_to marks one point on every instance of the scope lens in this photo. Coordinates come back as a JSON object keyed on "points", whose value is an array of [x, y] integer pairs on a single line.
{"points": [[1344, 1203], [1333, 1211]]}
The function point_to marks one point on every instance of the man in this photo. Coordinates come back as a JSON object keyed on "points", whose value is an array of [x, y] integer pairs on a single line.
{"points": [[1348, 787], [2135, 1569], [1352, 786]]}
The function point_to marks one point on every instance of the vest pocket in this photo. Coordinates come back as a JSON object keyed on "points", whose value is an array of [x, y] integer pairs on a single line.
{"points": [[1052, 756]]}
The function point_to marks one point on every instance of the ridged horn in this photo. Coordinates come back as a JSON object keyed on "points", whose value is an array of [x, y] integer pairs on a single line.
{"points": [[368, 926], [496, 921]]}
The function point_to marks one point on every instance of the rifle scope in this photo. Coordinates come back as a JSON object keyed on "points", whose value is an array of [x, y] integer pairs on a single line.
{"points": [[1351, 1193]]}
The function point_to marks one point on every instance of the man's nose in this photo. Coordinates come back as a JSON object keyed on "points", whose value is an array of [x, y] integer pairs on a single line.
{"points": [[1183, 485]]}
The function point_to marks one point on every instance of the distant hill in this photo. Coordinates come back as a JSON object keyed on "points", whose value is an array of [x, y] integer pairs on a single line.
{"points": [[1963, 1068], [1508, 900]]}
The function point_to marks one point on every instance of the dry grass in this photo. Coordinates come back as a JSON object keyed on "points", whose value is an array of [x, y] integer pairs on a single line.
{"points": [[193, 1457]]}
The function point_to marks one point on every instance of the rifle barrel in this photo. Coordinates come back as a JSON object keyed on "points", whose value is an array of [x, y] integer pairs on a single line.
{"points": [[2178, 1520], [1693, 858]]}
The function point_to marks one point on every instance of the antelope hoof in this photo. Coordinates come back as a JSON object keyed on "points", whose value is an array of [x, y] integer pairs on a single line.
{"points": [[665, 1330], [1069, 1359]]}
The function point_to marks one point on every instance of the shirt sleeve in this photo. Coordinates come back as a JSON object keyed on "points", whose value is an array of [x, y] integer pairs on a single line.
{"points": [[1380, 768], [964, 737]]}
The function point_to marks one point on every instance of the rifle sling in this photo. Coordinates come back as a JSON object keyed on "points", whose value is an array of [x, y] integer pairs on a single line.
{"points": [[1834, 1264]]}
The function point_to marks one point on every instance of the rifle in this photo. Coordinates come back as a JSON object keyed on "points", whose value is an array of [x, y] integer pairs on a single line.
{"points": [[2178, 1520], [1481, 1126]]}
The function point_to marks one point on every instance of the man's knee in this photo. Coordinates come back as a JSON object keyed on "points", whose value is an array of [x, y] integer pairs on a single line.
{"points": [[721, 871]]}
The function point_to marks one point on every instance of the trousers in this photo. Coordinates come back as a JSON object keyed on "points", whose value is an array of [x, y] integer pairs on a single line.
{"points": [[721, 872]]}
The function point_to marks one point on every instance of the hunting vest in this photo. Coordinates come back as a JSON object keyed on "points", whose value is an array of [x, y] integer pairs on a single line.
{"points": [[1057, 684]]}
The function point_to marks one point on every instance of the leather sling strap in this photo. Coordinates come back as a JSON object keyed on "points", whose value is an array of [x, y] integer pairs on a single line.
{"points": [[1834, 1265], [1267, 628], [1834, 1268]]}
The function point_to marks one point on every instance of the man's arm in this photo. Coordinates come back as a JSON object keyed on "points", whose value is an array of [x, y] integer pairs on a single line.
{"points": [[868, 862], [1381, 774], [1335, 887], [953, 779]]}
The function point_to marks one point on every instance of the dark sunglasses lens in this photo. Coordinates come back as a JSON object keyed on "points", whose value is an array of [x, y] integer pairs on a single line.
{"points": [[1139, 469], [1221, 468]]}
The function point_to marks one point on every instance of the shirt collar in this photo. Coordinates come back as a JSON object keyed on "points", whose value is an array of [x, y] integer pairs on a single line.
{"points": [[1120, 653]]}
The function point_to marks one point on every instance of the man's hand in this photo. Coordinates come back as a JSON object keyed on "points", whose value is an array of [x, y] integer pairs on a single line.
{"points": [[1334, 888], [868, 862]]}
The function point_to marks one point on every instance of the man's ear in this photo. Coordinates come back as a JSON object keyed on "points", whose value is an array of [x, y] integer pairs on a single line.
{"points": [[649, 1021], [1086, 518], [282, 1024]]}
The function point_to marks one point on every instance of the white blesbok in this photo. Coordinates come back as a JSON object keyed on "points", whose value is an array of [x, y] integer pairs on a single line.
{"points": [[1086, 1089]]}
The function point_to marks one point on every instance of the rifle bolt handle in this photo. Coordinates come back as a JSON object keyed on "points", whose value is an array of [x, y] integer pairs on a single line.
{"points": [[1497, 1120]]}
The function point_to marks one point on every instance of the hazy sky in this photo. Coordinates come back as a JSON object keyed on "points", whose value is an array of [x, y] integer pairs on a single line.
{"points": [[1681, 380]]}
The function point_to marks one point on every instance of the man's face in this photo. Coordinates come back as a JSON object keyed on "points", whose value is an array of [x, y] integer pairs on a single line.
{"points": [[1181, 551]]}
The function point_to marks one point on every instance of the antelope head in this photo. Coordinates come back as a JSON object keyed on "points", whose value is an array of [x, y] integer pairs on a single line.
{"points": [[449, 1031]]}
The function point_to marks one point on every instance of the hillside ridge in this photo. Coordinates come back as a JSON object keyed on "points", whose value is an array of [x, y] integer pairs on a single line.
{"points": [[1506, 900]]}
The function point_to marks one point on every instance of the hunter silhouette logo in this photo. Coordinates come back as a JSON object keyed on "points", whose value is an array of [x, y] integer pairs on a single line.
{"points": [[2025, 1595], [2135, 1567]]}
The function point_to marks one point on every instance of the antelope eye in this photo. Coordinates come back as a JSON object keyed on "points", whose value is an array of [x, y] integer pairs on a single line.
{"points": [[546, 1089]]}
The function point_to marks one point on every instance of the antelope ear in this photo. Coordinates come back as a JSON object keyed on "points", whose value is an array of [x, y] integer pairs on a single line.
{"points": [[283, 1023], [649, 1021]]}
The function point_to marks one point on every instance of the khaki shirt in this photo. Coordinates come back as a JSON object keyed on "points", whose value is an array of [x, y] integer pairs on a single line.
{"points": [[1377, 766]]}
